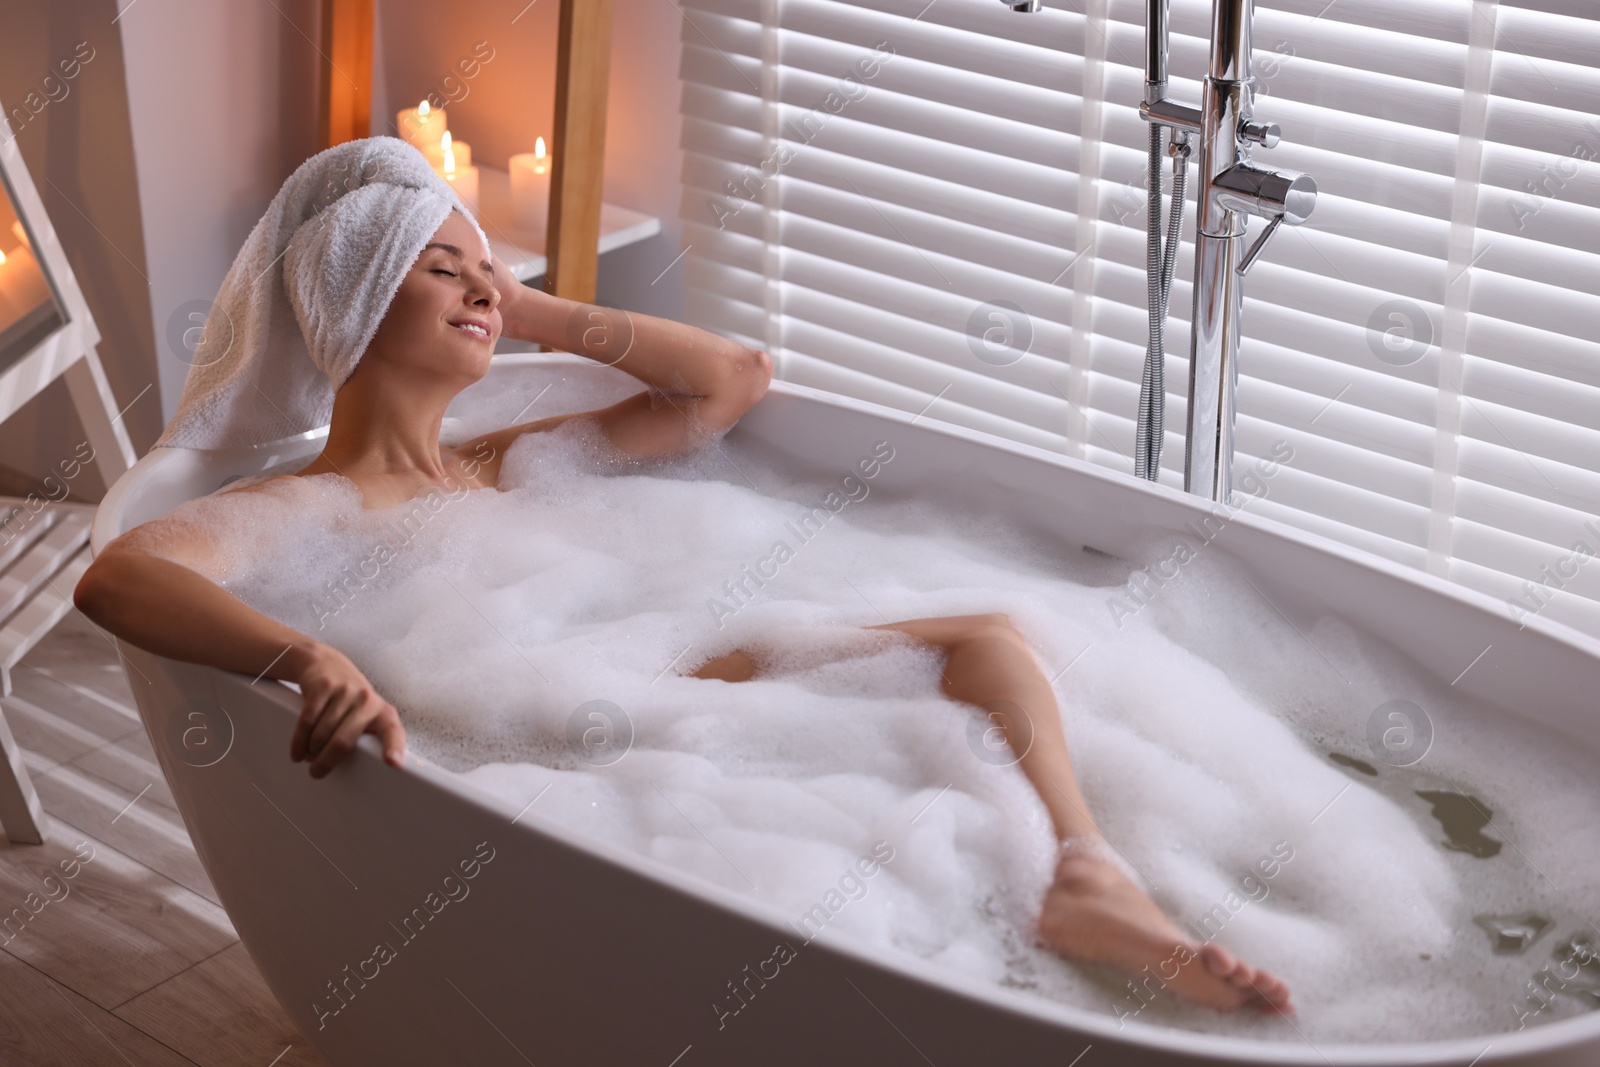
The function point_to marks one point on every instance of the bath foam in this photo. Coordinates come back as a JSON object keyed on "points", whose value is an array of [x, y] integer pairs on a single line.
{"points": [[506, 622]]}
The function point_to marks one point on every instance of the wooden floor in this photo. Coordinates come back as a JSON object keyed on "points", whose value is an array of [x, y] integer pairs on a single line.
{"points": [[132, 960]]}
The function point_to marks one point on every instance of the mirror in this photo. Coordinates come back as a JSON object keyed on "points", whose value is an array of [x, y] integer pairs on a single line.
{"points": [[30, 308]]}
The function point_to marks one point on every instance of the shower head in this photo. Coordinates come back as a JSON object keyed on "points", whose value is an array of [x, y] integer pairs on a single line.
{"points": [[1022, 5]]}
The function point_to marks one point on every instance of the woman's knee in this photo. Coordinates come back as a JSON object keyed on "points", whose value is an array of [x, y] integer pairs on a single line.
{"points": [[948, 631], [993, 643], [998, 620], [992, 626], [737, 666]]}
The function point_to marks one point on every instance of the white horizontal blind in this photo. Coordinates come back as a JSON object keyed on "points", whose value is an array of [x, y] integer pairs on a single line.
{"points": [[955, 222], [1529, 455]]}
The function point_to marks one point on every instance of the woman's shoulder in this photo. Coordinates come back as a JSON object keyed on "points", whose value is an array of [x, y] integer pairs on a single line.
{"points": [[217, 533], [279, 485]]}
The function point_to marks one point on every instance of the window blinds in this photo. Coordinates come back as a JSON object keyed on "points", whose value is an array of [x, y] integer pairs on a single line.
{"points": [[941, 205]]}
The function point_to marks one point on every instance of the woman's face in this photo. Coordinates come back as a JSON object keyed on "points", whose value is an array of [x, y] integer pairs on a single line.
{"points": [[445, 316]]}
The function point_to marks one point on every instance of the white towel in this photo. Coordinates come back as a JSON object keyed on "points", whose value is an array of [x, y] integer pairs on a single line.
{"points": [[306, 292]]}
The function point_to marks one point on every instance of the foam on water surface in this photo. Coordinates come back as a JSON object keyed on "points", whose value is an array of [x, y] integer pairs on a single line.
{"points": [[537, 641]]}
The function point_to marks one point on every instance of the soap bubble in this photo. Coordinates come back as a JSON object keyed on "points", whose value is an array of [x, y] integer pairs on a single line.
{"points": [[599, 733]]}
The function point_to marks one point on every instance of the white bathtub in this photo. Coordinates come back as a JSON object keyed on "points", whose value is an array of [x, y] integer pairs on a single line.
{"points": [[568, 951]]}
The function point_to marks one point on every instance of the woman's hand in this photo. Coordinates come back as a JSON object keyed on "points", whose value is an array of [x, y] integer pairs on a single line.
{"points": [[511, 294], [339, 705]]}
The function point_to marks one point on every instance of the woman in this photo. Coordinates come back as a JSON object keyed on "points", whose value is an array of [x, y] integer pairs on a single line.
{"points": [[436, 338]]}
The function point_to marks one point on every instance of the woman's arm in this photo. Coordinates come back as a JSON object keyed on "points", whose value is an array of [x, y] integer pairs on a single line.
{"points": [[174, 611], [701, 383]]}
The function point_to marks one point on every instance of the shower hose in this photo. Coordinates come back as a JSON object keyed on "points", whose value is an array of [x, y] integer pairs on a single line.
{"points": [[1158, 272]]}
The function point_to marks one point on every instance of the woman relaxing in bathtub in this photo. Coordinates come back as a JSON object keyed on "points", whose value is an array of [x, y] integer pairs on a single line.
{"points": [[436, 338]]}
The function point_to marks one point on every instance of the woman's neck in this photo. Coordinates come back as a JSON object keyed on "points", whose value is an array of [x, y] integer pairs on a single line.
{"points": [[387, 432]]}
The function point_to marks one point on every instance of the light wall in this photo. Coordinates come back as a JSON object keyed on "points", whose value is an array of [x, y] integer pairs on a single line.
{"points": [[223, 104]]}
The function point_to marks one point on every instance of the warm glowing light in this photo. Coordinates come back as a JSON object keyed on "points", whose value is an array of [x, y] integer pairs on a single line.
{"points": [[540, 159], [2, 257], [449, 156], [422, 110]]}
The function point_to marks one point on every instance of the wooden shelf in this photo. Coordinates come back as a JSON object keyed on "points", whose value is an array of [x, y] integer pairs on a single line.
{"points": [[40, 564], [523, 250]]}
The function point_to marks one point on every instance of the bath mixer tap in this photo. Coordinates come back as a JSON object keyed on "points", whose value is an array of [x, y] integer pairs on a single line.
{"points": [[1232, 188]]}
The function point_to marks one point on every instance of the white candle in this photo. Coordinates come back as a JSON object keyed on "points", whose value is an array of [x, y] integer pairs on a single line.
{"points": [[530, 188], [423, 125], [465, 180], [435, 153]]}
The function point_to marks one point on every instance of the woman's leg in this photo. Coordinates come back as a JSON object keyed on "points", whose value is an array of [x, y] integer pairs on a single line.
{"points": [[989, 663], [1092, 911]]}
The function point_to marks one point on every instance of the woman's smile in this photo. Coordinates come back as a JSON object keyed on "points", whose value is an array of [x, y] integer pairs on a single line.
{"points": [[473, 328]]}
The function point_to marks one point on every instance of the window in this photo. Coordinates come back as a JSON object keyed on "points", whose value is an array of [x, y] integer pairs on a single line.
{"points": [[903, 200]]}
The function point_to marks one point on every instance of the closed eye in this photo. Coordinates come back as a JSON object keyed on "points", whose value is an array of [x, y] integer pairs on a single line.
{"points": [[441, 270]]}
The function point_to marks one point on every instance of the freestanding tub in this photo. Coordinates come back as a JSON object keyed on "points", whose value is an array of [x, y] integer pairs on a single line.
{"points": [[568, 951]]}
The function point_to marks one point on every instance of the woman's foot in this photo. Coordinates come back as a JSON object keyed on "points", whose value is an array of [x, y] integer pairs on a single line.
{"points": [[1093, 913]]}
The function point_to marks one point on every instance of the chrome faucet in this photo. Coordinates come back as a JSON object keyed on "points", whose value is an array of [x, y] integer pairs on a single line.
{"points": [[1232, 188]]}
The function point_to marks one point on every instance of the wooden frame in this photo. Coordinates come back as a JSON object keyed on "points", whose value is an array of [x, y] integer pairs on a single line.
{"points": [[583, 66], [583, 74], [345, 93]]}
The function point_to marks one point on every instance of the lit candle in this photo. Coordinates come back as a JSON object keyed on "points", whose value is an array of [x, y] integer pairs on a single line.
{"points": [[465, 180], [423, 126], [435, 153], [530, 187]]}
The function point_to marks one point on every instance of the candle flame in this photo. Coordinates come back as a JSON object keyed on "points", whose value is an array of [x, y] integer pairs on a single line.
{"points": [[2, 257], [422, 110], [540, 160], [449, 159]]}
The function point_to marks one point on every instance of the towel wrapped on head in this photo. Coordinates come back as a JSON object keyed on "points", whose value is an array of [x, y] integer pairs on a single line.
{"points": [[307, 291]]}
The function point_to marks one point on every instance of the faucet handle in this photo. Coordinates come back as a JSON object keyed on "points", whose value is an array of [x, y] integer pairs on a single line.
{"points": [[1265, 134], [1249, 258]]}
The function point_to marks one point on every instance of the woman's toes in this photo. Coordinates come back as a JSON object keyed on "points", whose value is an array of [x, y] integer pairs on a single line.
{"points": [[1261, 984], [1271, 991], [1276, 1003], [1218, 960]]}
